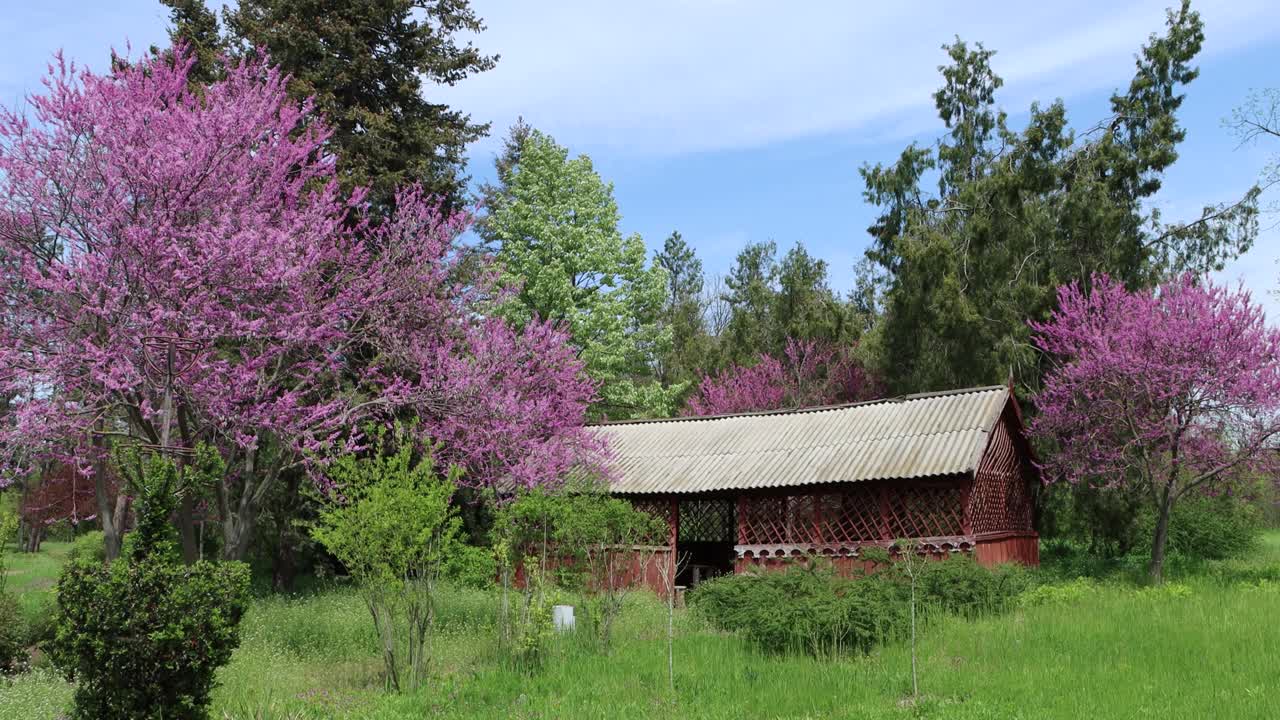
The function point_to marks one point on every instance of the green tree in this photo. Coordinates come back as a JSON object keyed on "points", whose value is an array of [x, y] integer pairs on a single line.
{"points": [[1018, 213], [365, 63], [772, 301], [554, 223], [805, 306], [683, 312], [750, 289], [391, 523]]}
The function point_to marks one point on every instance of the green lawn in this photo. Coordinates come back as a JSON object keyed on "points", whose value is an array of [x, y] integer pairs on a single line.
{"points": [[1205, 646], [31, 576]]}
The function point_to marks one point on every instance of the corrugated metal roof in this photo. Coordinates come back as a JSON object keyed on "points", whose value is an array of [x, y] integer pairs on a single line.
{"points": [[908, 437]]}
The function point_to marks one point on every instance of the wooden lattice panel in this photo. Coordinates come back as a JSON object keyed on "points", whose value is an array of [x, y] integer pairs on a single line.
{"points": [[1001, 498], [764, 520], [659, 508], [709, 520], [851, 516], [921, 511]]}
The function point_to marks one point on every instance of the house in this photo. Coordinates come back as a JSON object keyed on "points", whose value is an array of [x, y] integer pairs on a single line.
{"points": [[951, 470]]}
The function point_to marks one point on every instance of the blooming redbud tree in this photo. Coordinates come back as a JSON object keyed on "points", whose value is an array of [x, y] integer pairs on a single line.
{"points": [[810, 373], [137, 213], [1172, 390]]}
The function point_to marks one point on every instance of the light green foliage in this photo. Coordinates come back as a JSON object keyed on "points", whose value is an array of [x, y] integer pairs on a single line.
{"points": [[8, 526], [1069, 593], [390, 521], [1019, 212], [89, 546], [555, 225], [470, 566], [586, 540]]}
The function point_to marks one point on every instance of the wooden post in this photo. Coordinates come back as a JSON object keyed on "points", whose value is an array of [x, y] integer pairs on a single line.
{"points": [[675, 538], [884, 511]]}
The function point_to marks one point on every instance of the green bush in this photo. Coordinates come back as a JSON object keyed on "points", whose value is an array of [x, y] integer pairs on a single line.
{"points": [[40, 627], [13, 646], [143, 637], [1207, 528], [89, 546], [808, 607], [1120, 522], [470, 566], [959, 585]]}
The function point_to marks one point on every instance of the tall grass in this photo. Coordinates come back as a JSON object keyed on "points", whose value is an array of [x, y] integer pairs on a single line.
{"points": [[1204, 646]]}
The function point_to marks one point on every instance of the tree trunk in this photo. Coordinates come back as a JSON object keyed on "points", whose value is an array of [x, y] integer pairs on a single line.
{"points": [[283, 569], [284, 566], [34, 537], [187, 529], [237, 534], [111, 518], [1161, 539]]}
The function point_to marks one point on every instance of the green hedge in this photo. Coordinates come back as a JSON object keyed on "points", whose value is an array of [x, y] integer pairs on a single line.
{"points": [[808, 607]]}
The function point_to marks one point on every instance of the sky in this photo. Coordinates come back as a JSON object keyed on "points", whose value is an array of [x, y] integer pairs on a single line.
{"points": [[735, 121]]}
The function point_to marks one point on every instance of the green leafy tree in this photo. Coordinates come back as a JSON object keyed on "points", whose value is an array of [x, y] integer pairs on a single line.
{"points": [[389, 519], [1018, 213], [554, 223], [365, 63], [750, 287]]}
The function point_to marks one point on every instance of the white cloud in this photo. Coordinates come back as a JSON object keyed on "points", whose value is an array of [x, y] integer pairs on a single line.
{"points": [[677, 76]]}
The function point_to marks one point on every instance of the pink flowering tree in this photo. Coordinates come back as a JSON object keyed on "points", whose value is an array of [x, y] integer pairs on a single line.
{"points": [[809, 374], [139, 216], [1171, 390]]}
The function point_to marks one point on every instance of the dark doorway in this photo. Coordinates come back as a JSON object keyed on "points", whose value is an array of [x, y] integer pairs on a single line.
{"points": [[708, 532]]}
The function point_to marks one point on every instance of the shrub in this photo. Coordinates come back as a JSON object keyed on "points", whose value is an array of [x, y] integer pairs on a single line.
{"points": [[144, 636], [588, 539], [804, 608], [13, 652], [391, 523], [1059, 594], [40, 627], [808, 607], [1207, 528], [470, 566], [961, 586], [89, 546]]}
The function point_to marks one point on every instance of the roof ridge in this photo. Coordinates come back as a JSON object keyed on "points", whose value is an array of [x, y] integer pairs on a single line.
{"points": [[799, 411]]}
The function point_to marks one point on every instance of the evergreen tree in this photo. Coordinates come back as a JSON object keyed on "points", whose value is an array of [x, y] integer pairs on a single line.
{"points": [[364, 62], [772, 302], [1018, 213], [683, 312]]}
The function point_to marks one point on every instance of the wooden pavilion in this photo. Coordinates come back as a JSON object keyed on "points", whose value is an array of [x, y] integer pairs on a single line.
{"points": [[951, 470]]}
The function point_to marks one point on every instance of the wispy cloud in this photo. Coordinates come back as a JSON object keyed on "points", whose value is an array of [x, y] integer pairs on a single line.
{"points": [[679, 76]]}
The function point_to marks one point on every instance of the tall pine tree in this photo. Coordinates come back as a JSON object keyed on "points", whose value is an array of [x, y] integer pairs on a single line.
{"points": [[369, 65], [1018, 213]]}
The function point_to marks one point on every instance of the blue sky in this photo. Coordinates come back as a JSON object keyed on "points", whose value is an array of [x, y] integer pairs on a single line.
{"points": [[734, 120]]}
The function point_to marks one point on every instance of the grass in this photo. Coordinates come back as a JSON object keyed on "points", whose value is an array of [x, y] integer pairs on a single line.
{"points": [[1203, 646], [31, 576]]}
